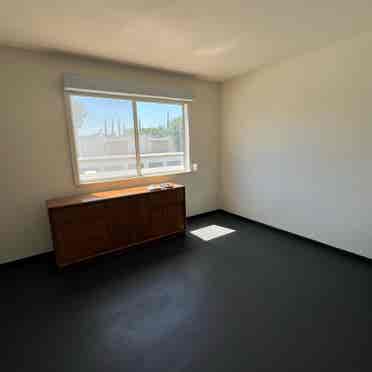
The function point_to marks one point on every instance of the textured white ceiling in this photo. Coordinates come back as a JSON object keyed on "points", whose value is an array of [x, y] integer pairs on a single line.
{"points": [[209, 38]]}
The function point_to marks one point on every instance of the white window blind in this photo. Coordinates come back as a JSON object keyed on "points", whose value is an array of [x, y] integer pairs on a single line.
{"points": [[130, 87]]}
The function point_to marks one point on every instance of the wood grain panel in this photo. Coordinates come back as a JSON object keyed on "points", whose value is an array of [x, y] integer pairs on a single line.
{"points": [[128, 220], [84, 227], [105, 195]]}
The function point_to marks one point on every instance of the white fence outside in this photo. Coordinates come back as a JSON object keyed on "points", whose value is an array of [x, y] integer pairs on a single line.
{"points": [[114, 166]]}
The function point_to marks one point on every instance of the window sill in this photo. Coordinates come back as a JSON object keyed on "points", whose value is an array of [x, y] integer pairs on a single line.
{"points": [[123, 181]]}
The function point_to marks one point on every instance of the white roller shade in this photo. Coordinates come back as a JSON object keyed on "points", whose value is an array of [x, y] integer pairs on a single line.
{"points": [[129, 87]]}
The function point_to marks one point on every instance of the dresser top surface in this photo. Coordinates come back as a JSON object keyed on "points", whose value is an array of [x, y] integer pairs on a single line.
{"points": [[104, 195]]}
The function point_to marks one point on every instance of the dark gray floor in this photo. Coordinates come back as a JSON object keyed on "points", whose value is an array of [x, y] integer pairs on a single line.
{"points": [[255, 300]]}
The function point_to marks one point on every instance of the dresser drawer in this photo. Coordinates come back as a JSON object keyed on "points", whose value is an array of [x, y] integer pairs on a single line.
{"points": [[166, 197], [80, 213]]}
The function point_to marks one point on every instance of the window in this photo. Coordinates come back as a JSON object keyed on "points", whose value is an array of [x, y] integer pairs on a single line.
{"points": [[116, 137]]}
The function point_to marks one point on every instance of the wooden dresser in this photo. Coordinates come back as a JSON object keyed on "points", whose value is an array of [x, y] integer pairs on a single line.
{"points": [[94, 224]]}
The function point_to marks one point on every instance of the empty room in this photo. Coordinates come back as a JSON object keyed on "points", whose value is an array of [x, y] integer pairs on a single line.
{"points": [[186, 186]]}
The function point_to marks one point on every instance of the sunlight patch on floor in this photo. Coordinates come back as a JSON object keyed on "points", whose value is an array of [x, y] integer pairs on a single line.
{"points": [[211, 232]]}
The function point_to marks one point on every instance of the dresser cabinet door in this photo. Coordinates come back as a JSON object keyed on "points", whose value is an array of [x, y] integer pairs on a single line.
{"points": [[127, 220], [166, 219], [80, 232], [167, 212]]}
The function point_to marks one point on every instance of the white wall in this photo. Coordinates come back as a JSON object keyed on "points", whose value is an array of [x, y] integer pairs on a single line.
{"points": [[296, 145], [35, 162]]}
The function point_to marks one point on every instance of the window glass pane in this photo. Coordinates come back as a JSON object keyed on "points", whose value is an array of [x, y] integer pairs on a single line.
{"points": [[161, 137], [104, 137]]}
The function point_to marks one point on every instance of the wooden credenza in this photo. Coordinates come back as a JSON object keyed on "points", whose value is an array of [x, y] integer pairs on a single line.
{"points": [[94, 224]]}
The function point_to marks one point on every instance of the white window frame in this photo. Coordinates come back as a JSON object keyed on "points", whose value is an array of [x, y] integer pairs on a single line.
{"points": [[185, 103]]}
